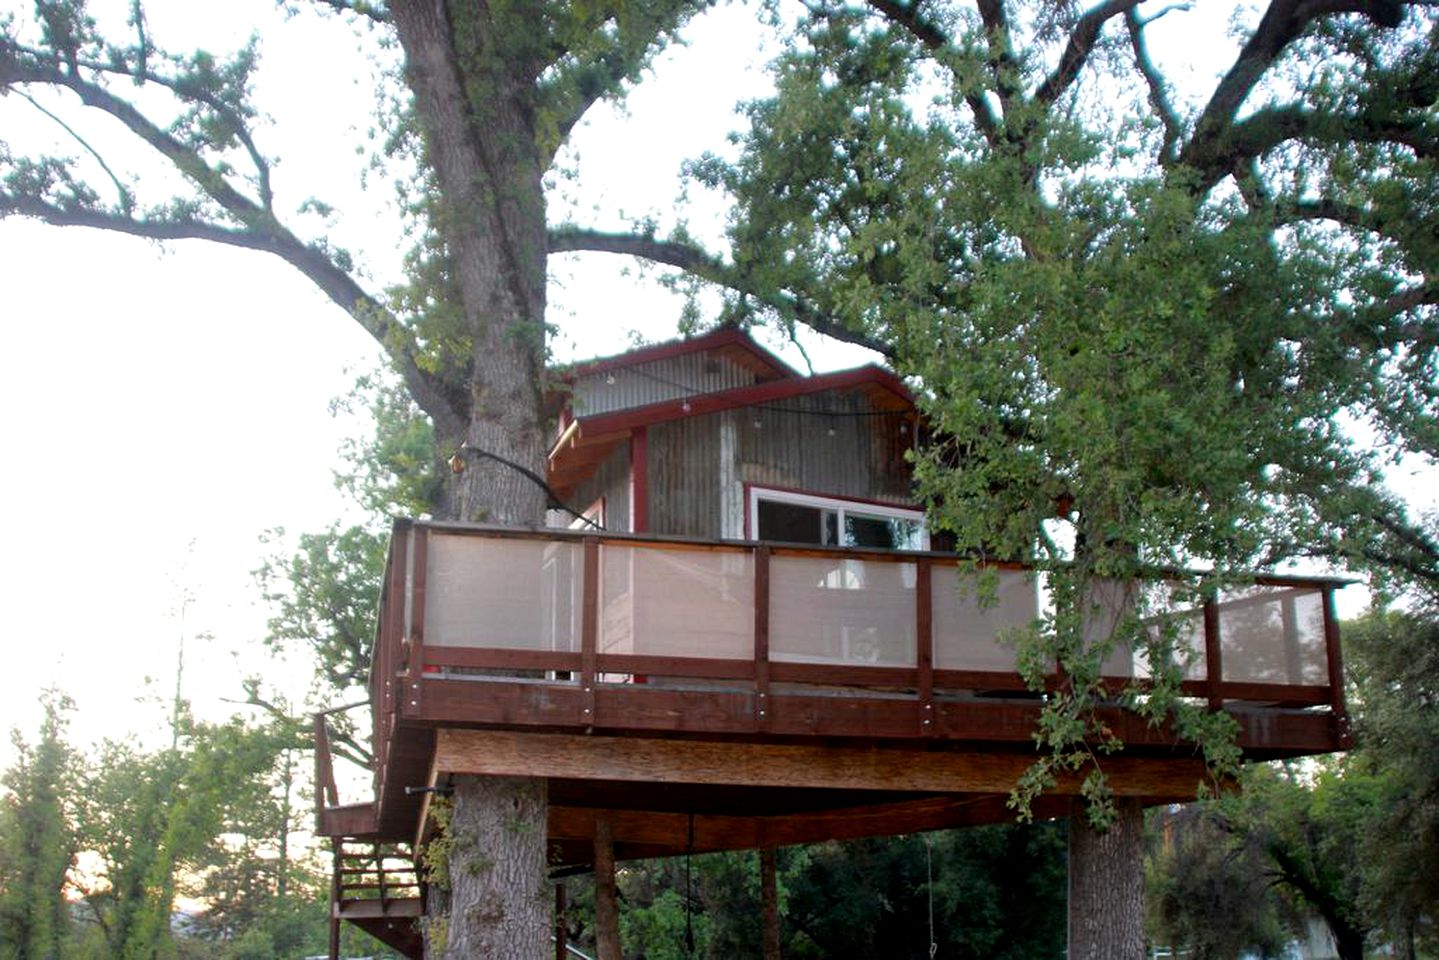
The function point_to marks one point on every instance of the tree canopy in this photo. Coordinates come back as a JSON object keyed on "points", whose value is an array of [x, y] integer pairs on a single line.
{"points": [[1147, 319]]}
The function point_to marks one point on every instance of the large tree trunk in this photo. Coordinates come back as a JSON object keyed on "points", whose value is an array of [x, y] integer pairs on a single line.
{"points": [[498, 897], [472, 68], [1106, 886]]}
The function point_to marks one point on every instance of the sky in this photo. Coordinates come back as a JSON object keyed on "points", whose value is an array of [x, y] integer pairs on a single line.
{"points": [[161, 408]]}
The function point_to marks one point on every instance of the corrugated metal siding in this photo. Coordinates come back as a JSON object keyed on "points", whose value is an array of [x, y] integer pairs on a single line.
{"points": [[611, 481], [661, 380], [684, 477], [829, 443]]}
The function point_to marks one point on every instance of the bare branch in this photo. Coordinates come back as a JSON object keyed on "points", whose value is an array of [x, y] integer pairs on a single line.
{"points": [[311, 261], [1158, 94], [706, 266], [127, 200], [933, 38], [1081, 44], [374, 12]]}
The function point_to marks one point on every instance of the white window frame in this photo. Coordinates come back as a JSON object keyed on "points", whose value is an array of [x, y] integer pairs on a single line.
{"points": [[839, 505]]}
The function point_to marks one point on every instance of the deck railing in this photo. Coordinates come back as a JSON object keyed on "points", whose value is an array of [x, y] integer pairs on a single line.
{"points": [[586, 613]]}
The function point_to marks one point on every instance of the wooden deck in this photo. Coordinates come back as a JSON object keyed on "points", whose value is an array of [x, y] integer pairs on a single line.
{"points": [[708, 695]]}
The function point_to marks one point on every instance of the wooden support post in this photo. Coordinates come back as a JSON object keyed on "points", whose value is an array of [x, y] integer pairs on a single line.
{"points": [[769, 903], [335, 893], [1213, 655], [607, 914]]}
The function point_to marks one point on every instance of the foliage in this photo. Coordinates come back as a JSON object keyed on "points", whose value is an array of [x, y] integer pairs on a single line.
{"points": [[1351, 840], [196, 819], [324, 598], [997, 891], [1394, 662], [1142, 324], [1209, 891], [38, 838]]}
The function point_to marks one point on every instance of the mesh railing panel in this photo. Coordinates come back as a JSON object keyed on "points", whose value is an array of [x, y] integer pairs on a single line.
{"points": [[842, 611]]}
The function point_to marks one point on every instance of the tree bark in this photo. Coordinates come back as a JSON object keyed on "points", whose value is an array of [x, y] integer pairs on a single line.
{"points": [[498, 897], [607, 913], [769, 903], [1106, 887], [472, 69]]}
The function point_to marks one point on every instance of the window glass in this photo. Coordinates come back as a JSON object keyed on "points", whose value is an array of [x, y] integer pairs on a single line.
{"points": [[791, 522], [786, 517], [887, 533]]}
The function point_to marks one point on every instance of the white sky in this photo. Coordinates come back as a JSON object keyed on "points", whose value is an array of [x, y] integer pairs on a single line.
{"points": [[159, 409], [164, 407]]}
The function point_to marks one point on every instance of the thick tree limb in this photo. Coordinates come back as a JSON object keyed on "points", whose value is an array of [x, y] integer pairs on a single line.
{"points": [[1283, 22], [1158, 94], [336, 284], [705, 266], [933, 38], [1081, 44], [1002, 66]]}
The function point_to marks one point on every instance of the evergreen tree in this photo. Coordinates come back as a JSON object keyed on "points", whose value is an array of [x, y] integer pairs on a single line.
{"points": [[38, 840]]}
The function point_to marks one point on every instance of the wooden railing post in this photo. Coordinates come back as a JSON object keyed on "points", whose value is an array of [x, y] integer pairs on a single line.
{"points": [[1213, 655], [761, 637], [589, 630], [415, 665], [924, 642], [1335, 661], [326, 793]]}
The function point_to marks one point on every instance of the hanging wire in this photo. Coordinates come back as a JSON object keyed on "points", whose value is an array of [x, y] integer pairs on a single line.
{"points": [[929, 888], [689, 890], [457, 464]]}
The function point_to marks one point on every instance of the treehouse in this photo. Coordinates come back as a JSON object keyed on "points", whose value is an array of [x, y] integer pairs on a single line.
{"points": [[745, 637]]}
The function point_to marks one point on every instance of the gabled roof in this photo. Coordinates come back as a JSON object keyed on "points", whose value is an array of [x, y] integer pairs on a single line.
{"points": [[729, 342]]}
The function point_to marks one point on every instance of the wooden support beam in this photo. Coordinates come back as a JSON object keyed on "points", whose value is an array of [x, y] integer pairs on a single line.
{"points": [[651, 760], [664, 833]]}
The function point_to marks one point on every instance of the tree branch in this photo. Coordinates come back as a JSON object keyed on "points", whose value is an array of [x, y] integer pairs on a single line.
{"points": [[374, 12], [933, 38], [1001, 62], [314, 263], [209, 180], [1283, 22], [1158, 95], [705, 266], [1081, 44], [127, 200]]}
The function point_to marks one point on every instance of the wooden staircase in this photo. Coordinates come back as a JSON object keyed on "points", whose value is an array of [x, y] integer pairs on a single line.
{"points": [[376, 887]]}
